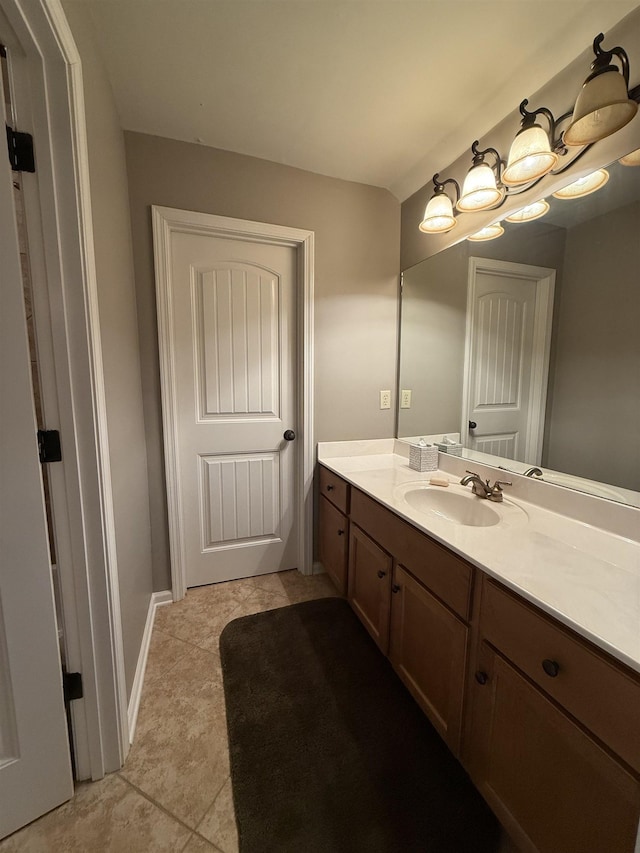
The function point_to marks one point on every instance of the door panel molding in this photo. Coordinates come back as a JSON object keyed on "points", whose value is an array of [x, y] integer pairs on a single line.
{"points": [[166, 221], [544, 278]]}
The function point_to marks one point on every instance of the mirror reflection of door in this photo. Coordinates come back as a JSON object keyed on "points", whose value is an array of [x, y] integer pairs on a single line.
{"points": [[508, 334]]}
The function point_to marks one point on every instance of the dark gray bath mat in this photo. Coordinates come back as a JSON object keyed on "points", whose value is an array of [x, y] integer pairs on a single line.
{"points": [[329, 753]]}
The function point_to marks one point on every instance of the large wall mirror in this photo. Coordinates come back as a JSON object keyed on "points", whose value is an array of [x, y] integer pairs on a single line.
{"points": [[534, 338]]}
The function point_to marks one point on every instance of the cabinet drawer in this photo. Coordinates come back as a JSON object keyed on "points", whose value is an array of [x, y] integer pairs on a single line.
{"points": [[601, 694], [334, 488], [446, 575]]}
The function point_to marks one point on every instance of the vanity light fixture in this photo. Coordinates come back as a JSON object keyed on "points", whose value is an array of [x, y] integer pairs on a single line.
{"points": [[532, 211], [631, 159], [603, 105], [480, 189], [530, 156], [489, 232], [438, 215], [584, 186]]}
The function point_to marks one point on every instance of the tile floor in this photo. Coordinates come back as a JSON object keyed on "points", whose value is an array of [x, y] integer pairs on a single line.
{"points": [[174, 792]]}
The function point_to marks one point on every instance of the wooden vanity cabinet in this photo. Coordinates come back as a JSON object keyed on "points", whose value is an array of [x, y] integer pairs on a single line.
{"points": [[333, 548], [370, 585], [428, 650], [551, 723], [424, 606], [555, 785], [333, 544]]}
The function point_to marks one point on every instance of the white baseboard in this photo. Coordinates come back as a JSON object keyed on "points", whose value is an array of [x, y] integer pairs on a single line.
{"points": [[157, 600]]}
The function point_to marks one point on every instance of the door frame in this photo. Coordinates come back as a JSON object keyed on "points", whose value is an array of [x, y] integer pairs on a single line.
{"points": [[545, 278], [165, 221], [50, 105]]}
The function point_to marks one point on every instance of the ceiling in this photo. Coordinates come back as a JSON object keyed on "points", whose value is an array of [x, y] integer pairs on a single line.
{"points": [[383, 92]]}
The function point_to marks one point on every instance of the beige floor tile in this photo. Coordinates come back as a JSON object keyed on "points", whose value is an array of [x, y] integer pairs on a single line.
{"points": [[180, 755], [199, 845], [202, 611], [164, 653], [259, 601], [219, 823], [306, 587], [106, 816]]}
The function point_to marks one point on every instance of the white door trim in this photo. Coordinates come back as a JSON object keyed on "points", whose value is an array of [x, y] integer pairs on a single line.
{"points": [[58, 212], [166, 220], [542, 325]]}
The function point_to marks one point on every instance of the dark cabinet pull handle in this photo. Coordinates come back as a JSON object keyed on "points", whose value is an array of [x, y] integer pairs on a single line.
{"points": [[395, 588], [289, 435], [381, 574], [340, 532], [329, 488], [551, 667], [472, 425], [482, 677]]}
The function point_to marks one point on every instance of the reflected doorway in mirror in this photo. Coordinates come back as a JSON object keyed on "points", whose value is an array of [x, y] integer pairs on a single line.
{"points": [[507, 344]]}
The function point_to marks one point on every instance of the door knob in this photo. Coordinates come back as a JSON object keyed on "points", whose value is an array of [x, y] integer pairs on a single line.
{"points": [[289, 435], [472, 424]]}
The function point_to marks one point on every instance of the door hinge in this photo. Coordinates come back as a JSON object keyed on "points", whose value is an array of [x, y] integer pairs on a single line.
{"points": [[49, 448], [20, 147], [72, 686]]}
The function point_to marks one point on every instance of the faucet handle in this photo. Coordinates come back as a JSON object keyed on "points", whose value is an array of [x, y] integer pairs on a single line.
{"points": [[499, 483]]}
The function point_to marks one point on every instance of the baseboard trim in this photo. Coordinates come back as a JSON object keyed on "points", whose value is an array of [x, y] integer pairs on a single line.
{"points": [[158, 599]]}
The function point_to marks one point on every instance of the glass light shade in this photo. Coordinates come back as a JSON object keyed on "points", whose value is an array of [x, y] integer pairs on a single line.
{"points": [[584, 186], [632, 159], [479, 190], [603, 106], [532, 211], [489, 232], [530, 157], [438, 215]]}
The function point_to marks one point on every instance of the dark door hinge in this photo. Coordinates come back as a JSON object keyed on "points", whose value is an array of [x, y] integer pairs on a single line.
{"points": [[72, 686], [49, 448], [20, 147]]}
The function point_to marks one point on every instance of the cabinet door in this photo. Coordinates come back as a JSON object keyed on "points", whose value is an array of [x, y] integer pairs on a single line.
{"points": [[428, 651], [333, 549], [555, 789], [370, 585]]}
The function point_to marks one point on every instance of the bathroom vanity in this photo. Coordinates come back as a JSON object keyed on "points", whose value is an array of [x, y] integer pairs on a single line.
{"points": [[515, 628]]}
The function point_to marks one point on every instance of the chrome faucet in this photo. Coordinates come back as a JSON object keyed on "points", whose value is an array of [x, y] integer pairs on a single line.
{"points": [[484, 490], [533, 472]]}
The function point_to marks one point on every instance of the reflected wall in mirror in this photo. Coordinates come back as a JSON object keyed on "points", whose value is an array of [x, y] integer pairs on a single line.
{"points": [[591, 428]]}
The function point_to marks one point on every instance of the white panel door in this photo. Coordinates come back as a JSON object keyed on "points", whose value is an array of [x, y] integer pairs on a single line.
{"points": [[233, 313], [509, 322], [35, 767]]}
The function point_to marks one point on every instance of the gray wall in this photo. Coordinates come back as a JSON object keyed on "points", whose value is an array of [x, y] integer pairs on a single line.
{"points": [[434, 309], [119, 333], [596, 388], [357, 230]]}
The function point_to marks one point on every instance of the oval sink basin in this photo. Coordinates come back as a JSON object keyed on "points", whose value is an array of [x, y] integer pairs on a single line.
{"points": [[458, 505], [453, 506]]}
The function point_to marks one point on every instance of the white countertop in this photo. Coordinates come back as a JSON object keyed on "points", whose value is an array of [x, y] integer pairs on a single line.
{"points": [[584, 576]]}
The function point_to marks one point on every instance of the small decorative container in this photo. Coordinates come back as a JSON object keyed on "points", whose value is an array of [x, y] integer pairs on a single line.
{"points": [[423, 457]]}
